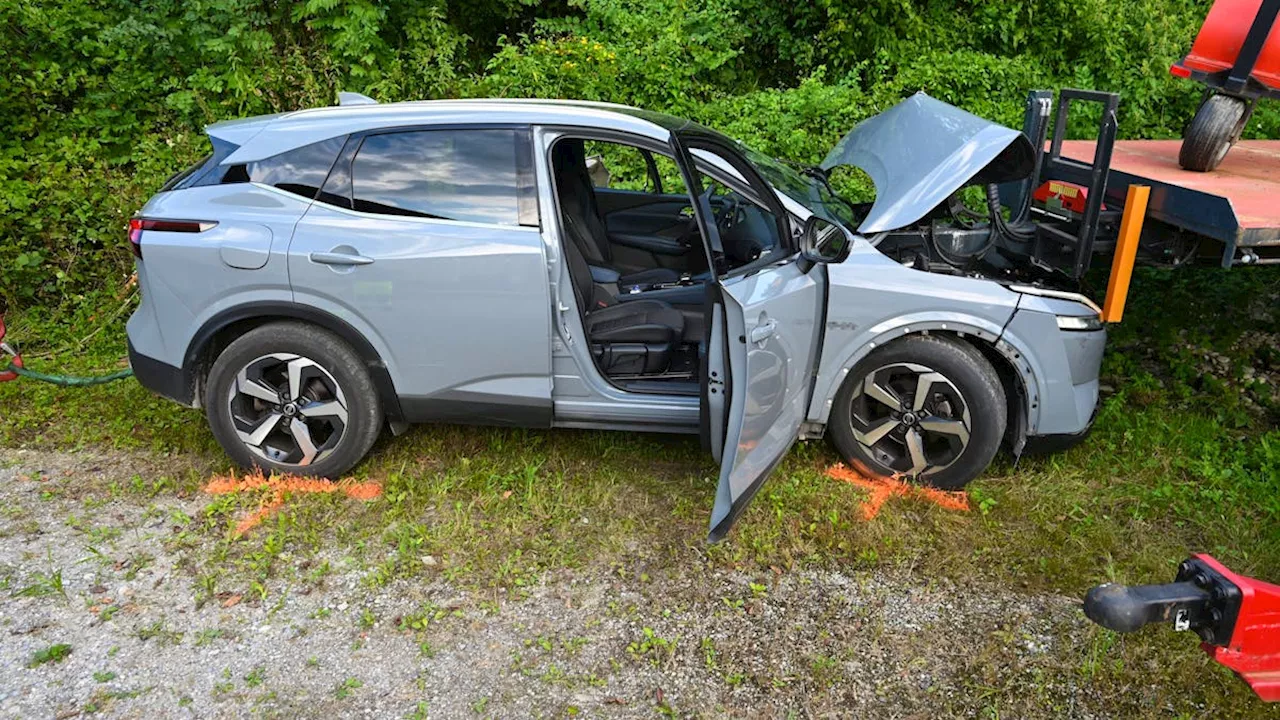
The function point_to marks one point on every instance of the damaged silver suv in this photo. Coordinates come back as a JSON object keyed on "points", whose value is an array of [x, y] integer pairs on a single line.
{"points": [[326, 273]]}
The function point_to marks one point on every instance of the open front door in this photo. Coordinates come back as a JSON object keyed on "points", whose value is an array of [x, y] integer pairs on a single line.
{"points": [[771, 336], [764, 329]]}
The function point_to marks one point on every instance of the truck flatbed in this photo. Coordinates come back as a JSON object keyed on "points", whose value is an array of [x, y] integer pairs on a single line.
{"points": [[1237, 204]]}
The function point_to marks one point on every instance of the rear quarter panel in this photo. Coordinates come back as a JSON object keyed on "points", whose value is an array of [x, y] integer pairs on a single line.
{"points": [[188, 278]]}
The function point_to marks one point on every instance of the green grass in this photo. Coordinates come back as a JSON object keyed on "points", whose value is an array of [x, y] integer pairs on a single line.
{"points": [[52, 654], [1185, 457]]}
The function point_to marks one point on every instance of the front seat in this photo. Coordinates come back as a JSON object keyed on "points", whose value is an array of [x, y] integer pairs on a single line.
{"points": [[582, 216], [632, 338]]}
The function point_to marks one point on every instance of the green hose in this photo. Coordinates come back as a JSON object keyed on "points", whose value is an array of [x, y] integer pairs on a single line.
{"points": [[70, 380]]}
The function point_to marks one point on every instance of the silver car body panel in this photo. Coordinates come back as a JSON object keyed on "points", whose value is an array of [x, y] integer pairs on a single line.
{"points": [[483, 317], [189, 278], [917, 153], [428, 285], [874, 300], [295, 129]]}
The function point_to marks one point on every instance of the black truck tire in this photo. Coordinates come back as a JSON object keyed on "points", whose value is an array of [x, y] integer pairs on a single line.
{"points": [[1212, 132]]}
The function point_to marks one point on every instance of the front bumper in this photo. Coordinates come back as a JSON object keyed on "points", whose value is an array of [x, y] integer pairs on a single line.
{"points": [[161, 378], [1057, 442]]}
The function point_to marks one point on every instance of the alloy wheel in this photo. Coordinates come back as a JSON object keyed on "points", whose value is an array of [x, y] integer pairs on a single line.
{"points": [[288, 409], [910, 420]]}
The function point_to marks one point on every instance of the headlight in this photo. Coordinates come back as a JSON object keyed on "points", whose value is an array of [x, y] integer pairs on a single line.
{"points": [[1078, 323]]}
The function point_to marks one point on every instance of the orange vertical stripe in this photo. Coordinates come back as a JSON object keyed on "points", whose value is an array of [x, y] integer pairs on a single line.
{"points": [[1135, 211]]}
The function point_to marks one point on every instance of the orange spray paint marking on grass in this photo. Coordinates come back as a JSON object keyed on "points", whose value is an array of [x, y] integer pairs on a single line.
{"points": [[280, 485], [879, 491]]}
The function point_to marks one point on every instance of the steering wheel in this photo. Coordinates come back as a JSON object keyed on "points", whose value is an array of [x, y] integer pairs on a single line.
{"points": [[727, 217]]}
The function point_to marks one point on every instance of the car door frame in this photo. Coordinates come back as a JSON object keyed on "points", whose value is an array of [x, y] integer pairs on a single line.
{"points": [[721, 418]]}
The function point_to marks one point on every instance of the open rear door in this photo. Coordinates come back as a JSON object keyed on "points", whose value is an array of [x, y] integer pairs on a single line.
{"points": [[772, 324]]}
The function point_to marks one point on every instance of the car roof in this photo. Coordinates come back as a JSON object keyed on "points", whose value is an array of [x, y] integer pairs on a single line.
{"points": [[267, 135]]}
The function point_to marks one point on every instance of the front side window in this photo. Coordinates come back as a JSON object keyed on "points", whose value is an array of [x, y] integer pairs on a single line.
{"points": [[300, 171], [748, 230], [466, 175]]}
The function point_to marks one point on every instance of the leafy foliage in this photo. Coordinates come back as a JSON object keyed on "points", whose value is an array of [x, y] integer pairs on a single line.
{"points": [[105, 98]]}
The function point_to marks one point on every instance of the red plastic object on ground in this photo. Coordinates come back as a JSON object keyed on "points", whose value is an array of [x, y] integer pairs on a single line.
{"points": [[6, 357], [1236, 617], [1222, 41]]}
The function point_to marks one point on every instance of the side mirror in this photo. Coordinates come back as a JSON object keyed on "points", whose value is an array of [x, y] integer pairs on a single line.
{"points": [[823, 241]]}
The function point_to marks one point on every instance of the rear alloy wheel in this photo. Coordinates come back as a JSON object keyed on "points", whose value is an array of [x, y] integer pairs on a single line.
{"points": [[287, 409], [1211, 133], [923, 408], [292, 398]]}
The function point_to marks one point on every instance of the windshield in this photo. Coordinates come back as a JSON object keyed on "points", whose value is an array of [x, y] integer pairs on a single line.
{"points": [[804, 189]]}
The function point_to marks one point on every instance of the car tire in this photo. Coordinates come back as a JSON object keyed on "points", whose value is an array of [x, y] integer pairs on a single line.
{"points": [[1211, 133], [945, 440], [325, 414]]}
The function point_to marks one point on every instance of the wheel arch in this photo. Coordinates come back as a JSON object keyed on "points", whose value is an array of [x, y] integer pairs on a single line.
{"points": [[220, 330], [1006, 355]]}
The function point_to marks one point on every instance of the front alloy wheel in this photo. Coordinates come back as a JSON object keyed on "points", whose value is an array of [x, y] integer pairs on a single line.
{"points": [[910, 420], [287, 409], [928, 408]]}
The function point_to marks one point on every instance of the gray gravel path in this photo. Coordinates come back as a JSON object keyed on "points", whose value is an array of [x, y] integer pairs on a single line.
{"points": [[587, 642]]}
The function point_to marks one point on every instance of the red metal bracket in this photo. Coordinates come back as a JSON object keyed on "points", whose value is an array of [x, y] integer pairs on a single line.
{"points": [[1254, 649]]}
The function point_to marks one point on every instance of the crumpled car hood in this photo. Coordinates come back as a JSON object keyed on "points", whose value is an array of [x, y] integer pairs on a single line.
{"points": [[922, 150]]}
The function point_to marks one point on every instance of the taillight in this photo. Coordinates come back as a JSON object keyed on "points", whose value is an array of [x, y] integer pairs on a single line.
{"points": [[137, 225]]}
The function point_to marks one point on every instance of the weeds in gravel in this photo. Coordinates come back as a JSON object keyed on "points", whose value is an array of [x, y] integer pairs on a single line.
{"points": [[52, 654], [44, 584], [346, 687], [255, 677], [657, 650], [160, 632]]}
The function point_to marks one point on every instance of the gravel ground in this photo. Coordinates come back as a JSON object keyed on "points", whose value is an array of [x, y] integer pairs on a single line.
{"points": [[594, 642]]}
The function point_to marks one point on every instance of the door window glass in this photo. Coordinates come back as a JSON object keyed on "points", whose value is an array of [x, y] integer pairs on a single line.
{"points": [[621, 167], [447, 174], [748, 231]]}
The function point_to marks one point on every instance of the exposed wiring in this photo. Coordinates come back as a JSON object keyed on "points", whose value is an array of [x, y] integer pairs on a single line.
{"points": [[1016, 229]]}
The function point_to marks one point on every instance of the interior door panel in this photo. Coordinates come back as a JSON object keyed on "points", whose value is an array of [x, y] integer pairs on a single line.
{"points": [[646, 230], [650, 230]]}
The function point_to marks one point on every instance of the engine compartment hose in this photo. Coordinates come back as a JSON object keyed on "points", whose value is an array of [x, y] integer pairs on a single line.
{"points": [[68, 380]]}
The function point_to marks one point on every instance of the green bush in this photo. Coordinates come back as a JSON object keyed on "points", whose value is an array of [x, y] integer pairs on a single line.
{"points": [[103, 99]]}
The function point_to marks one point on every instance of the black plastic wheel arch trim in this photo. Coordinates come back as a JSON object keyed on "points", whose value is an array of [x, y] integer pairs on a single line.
{"points": [[270, 310]]}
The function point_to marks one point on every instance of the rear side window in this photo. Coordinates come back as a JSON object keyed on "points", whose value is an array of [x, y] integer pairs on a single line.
{"points": [[179, 177], [446, 174], [197, 174], [300, 171]]}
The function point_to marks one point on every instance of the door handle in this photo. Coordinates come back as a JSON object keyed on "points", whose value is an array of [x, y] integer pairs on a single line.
{"points": [[763, 331], [339, 258]]}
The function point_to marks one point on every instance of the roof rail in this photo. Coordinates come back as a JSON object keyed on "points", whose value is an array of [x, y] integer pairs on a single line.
{"points": [[354, 98]]}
